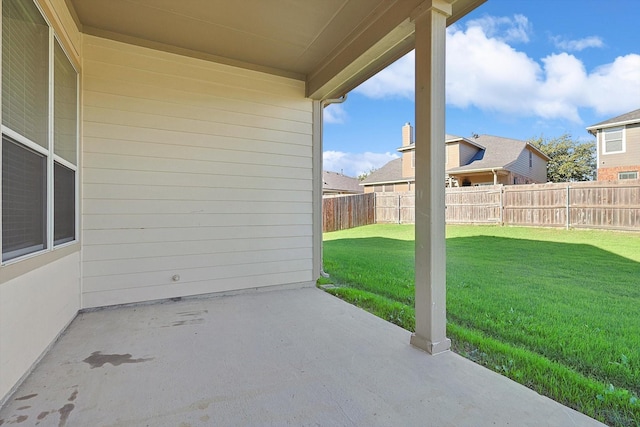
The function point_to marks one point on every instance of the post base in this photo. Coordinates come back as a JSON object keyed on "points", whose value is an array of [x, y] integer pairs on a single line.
{"points": [[430, 347]]}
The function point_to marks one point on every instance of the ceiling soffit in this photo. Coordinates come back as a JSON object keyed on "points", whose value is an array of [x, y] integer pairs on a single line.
{"points": [[332, 44]]}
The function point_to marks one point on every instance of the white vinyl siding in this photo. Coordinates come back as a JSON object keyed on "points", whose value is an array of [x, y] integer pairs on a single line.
{"points": [[193, 169], [466, 153], [536, 172]]}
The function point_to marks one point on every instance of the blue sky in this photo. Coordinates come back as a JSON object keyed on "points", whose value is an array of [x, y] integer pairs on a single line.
{"points": [[515, 68]]}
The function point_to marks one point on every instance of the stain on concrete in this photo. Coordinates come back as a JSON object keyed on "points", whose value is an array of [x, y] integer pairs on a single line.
{"points": [[22, 408], [64, 412], [187, 322], [1, 421], [42, 415], [189, 318], [27, 397], [205, 418], [73, 396], [21, 419], [98, 360]]}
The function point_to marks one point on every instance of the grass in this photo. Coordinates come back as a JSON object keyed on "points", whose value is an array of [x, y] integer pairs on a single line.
{"points": [[556, 310]]}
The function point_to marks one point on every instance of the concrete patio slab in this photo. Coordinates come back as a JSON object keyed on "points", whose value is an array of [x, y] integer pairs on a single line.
{"points": [[286, 357]]}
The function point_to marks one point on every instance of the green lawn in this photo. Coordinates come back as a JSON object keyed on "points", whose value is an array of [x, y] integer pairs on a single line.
{"points": [[556, 310]]}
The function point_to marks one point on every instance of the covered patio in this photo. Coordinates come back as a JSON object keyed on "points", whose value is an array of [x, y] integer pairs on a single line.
{"points": [[271, 358]]}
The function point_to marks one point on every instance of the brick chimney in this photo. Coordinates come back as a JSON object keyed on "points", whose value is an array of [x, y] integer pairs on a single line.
{"points": [[407, 134]]}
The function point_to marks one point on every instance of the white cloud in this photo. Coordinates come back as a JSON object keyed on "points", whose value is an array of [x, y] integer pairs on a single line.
{"points": [[354, 164], [504, 28], [484, 71], [334, 113], [395, 81], [577, 45]]}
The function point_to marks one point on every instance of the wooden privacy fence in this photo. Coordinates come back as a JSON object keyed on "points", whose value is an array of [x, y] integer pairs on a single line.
{"points": [[342, 212], [604, 205]]}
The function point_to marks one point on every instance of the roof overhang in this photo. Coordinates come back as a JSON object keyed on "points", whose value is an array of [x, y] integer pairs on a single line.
{"points": [[332, 45], [593, 130], [479, 170], [393, 181]]}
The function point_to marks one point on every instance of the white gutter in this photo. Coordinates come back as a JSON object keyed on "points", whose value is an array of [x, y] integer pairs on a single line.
{"points": [[323, 104]]}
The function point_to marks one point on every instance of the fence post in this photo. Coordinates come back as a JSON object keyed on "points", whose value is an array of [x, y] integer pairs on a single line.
{"points": [[501, 205], [399, 208], [568, 206]]}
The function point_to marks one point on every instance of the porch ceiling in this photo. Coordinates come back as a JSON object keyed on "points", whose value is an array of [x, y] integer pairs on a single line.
{"points": [[287, 357], [316, 41]]}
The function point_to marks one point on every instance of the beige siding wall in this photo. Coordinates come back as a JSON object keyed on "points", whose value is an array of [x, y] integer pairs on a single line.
{"points": [[408, 166], [34, 308], [191, 169], [452, 156], [632, 149]]}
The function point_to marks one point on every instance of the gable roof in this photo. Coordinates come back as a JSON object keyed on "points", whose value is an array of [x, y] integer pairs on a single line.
{"points": [[337, 182], [499, 153], [623, 119], [391, 172]]}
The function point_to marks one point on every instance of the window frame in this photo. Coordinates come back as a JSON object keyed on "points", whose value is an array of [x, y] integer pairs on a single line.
{"points": [[623, 144], [627, 172], [51, 158]]}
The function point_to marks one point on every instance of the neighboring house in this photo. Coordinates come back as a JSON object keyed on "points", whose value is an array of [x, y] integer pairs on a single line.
{"points": [[618, 147], [480, 160], [155, 150], [335, 184]]}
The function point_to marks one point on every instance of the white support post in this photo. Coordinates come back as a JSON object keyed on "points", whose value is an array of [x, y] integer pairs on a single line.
{"points": [[430, 280], [317, 189]]}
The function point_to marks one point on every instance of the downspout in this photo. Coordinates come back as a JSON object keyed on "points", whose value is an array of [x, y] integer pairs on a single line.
{"points": [[495, 176], [324, 104]]}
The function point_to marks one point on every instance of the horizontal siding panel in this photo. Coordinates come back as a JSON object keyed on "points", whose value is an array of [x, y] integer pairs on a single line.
{"points": [[150, 149], [106, 176], [213, 112], [97, 86], [218, 135], [209, 247], [149, 192], [131, 126], [124, 281], [247, 89], [119, 162], [136, 294], [146, 207], [169, 236], [191, 168], [187, 262], [177, 66], [106, 222]]}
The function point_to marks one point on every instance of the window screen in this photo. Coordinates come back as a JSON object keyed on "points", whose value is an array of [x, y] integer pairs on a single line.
{"points": [[65, 111], [628, 175], [25, 70], [613, 140], [24, 200], [64, 205]]}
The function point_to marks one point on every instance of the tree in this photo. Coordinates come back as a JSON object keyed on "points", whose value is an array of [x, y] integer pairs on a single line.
{"points": [[570, 160], [364, 175]]}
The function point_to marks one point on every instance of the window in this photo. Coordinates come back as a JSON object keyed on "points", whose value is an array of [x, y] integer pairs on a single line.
{"points": [[628, 175], [530, 159], [39, 134], [413, 159], [613, 140]]}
